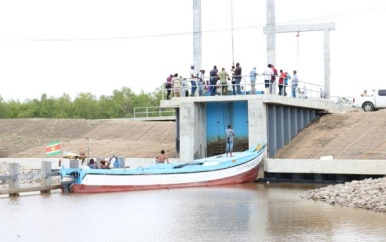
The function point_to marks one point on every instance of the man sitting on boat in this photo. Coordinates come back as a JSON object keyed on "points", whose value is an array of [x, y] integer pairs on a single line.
{"points": [[161, 158], [92, 164], [105, 164]]}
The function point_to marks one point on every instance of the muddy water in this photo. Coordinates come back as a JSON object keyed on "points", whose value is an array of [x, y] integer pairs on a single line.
{"points": [[247, 212]]}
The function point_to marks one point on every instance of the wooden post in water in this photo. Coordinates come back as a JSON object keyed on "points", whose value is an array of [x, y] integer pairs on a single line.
{"points": [[14, 183], [45, 179]]}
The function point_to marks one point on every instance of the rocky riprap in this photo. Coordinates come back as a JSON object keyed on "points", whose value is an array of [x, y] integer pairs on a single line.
{"points": [[367, 194]]}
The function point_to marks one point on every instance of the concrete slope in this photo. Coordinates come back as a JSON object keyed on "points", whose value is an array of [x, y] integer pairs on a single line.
{"points": [[354, 135], [123, 137]]}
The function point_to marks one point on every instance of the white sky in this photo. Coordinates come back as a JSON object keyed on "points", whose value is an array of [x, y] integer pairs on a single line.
{"points": [[97, 46]]}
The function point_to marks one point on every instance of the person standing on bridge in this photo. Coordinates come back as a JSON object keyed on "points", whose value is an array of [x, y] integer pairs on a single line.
{"points": [[201, 82], [213, 80], [223, 81], [238, 76], [268, 73], [281, 82], [295, 82], [288, 77], [193, 81], [168, 85], [252, 78], [273, 80]]}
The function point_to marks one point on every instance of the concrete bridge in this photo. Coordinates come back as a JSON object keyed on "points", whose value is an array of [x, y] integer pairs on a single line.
{"points": [[201, 121]]}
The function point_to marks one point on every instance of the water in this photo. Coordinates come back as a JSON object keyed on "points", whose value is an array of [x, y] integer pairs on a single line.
{"points": [[245, 212]]}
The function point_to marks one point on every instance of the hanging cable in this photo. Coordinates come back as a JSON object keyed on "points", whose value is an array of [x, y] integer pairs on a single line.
{"points": [[297, 50], [233, 50]]}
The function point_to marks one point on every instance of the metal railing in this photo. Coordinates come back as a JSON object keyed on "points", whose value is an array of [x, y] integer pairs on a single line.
{"points": [[182, 87], [155, 111]]}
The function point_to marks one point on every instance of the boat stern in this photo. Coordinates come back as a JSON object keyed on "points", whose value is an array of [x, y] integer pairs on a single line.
{"points": [[68, 177]]}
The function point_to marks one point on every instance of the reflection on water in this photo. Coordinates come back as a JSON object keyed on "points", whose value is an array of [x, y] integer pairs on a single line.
{"points": [[246, 212]]}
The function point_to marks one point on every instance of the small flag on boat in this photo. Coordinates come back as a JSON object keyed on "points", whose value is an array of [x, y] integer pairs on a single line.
{"points": [[53, 148]]}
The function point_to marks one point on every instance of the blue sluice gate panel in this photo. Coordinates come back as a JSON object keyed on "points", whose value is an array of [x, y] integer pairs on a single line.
{"points": [[218, 116]]}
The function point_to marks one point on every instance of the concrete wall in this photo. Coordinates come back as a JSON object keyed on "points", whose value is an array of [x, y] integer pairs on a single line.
{"points": [[318, 166]]}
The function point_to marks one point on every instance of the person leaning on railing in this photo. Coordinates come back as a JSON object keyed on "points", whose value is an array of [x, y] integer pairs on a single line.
{"points": [[294, 84], [268, 73], [168, 85], [223, 81], [252, 78], [201, 82], [177, 85]]}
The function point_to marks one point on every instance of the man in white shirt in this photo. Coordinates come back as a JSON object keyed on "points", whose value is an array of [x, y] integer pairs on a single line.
{"points": [[268, 73], [193, 81], [201, 82]]}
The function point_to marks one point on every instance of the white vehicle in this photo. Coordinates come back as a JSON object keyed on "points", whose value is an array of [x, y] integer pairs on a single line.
{"points": [[372, 103]]}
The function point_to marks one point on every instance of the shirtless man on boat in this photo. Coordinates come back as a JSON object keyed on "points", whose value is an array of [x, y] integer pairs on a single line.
{"points": [[162, 157]]}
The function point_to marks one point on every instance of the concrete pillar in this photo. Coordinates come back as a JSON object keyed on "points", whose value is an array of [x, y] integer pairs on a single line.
{"points": [[192, 127], [287, 124], [197, 35], [294, 122], [327, 63], [272, 130], [257, 122], [300, 119], [14, 183], [279, 127], [45, 180], [271, 36]]}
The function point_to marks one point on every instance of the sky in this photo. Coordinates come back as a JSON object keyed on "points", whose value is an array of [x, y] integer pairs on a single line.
{"points": [[70, 47]]}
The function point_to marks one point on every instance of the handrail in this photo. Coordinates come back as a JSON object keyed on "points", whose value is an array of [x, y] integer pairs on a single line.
{"points": [[184, 84], [305, 90], [153, 111]]}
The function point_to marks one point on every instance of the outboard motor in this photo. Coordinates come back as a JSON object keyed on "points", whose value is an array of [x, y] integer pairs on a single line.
{"points": [[67, 180]]}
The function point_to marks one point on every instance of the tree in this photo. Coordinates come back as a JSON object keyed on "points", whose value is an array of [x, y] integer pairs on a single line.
{"points": [[119, 105], [86, 106]]}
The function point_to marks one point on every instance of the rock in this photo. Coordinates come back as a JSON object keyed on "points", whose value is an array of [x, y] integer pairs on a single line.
{"points": [[366, 194]]}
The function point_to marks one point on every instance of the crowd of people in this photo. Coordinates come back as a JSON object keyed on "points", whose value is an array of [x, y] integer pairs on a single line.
{"points": [[222, 82]]}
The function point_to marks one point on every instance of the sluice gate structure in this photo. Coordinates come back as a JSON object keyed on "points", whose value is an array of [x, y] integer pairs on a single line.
{"points": [[201, 124]]}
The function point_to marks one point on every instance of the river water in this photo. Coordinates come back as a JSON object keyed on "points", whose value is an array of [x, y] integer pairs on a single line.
{"points": [[244, 212]]}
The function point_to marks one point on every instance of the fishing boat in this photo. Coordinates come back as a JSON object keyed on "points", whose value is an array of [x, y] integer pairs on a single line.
{"points": [[209, 171]]}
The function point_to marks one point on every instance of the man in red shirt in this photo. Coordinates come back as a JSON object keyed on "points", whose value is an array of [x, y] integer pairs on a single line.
{"points": [[281, 82]]}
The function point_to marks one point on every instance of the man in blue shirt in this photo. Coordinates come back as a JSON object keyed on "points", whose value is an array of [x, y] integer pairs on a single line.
{"points": [[252, 77]]}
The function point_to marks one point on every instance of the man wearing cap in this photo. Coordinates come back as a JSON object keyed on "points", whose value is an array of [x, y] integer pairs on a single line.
{"points": [[193, 81]]}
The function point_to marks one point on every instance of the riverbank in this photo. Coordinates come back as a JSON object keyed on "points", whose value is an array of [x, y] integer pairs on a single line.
{"points": [[354, 136], [367, 194]]}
